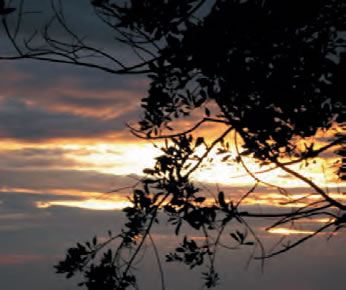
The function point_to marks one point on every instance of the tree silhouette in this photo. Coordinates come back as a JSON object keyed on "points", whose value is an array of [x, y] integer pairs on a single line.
{"points": [[270, 72]]}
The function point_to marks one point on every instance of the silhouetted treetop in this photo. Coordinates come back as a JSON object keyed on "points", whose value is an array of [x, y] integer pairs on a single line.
{"points": [[275, 70]]}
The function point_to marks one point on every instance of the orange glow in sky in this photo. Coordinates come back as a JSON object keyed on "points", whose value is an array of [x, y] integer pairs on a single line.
{"points": [[287, 231], [127, 157]]}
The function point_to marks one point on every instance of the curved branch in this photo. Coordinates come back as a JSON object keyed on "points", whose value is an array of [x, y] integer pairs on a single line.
{"points": [[296, 243], [42, 57], [162, 277], [57, 51], [285, 214], [138, 133], [146, 233], [312, 184]]}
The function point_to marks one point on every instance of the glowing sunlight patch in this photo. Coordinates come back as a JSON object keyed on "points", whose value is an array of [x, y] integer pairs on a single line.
{"points": [[323, 220], [119, 159], [92, 204], [287, 231]]}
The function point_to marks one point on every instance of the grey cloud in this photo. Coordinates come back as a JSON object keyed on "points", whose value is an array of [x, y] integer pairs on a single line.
{"points": [[80, 18], [297, 270], [19, 121], [45, 158], [49, 232], [45, 179], [46, 234], [92, 103], [24, 159], [51, 75]]}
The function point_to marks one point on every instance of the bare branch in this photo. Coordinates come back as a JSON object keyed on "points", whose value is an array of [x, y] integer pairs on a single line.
{"points": [[141, 135], [312, 184], [300, 241], [162, 277]]}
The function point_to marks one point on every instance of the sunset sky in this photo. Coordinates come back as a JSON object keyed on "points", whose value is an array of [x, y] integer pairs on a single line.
{"points": [[64, 146]]}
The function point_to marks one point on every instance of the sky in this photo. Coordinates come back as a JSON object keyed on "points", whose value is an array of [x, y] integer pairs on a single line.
{"points": [[64, 146]]}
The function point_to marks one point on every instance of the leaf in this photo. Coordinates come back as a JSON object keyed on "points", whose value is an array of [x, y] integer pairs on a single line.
{"points": [[221, 198], [200, 199], [241, 236], [249, 243], [177, 229], [234, 236], [225, 158], [148, 171], [199, 141], [246, 153]]}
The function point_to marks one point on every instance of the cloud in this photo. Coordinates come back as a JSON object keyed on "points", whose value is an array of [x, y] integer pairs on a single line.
{"points": [[21, 121], [13, 259], [46, 179], [38, 158], [47, 84], [48, 101]]}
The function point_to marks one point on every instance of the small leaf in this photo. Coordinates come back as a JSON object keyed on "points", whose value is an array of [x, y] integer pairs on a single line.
{"points": [[148, 171], [225, 158], [221, 198], [180, 250], [249, 243], [246, 153], [199, 141], [241, 236], [177, 229], [234, 236], [200, 199]]}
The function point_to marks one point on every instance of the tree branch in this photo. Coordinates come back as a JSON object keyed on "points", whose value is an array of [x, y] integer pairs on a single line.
{"points": [[312, 184]]}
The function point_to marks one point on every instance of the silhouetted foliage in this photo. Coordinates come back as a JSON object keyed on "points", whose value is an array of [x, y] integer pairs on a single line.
{"points": [[272, 72]]}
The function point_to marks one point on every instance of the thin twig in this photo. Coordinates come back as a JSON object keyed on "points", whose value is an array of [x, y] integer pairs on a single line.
{"points": [[212, 145], [162, 277], [312, 184], [286, 248], [138, 133]]}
